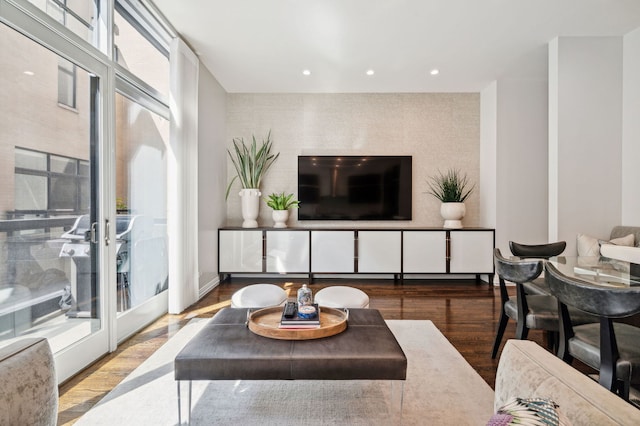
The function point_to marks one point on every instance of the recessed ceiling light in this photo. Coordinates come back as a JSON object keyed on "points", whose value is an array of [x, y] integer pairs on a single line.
{"points": [[434, 71], [28, 73], [306, 72], [370, 72]]}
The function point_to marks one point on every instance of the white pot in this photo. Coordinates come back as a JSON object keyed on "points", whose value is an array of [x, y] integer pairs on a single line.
{"points": [[452, 213], [250, 199], [280, 218]]}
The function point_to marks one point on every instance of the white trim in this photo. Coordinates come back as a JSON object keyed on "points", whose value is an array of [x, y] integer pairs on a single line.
{"points": [[208, 287]]}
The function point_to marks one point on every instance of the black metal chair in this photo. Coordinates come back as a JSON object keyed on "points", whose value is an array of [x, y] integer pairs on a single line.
{"points": [[612, 348], [529, 311], [537, 251]]}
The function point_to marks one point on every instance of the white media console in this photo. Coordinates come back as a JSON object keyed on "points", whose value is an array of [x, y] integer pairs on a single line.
{"points": [[396, 251]]}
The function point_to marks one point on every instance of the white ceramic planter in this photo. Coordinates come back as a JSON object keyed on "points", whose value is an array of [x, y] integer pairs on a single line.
{"points": [[250, 199], [280, 218], [452, 213]]}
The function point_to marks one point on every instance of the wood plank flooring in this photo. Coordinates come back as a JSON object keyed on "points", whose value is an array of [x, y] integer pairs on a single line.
{"points": [[465, 312]]}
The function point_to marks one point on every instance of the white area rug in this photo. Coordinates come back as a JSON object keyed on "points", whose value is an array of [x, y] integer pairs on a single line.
{"points": [[441, 389]]}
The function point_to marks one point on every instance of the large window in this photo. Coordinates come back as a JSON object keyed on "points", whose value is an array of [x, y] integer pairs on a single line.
{"points": [[80, 16], [136, 48]]}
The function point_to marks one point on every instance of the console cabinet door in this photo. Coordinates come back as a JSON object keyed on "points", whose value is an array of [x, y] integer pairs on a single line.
{"points": [[240, 251], [471, 252], [424, 252], [288, 251], [332, 251], [379, 251]]}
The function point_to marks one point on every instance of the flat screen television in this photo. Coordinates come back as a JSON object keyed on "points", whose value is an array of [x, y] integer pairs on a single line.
{"points": [[349, 187]]}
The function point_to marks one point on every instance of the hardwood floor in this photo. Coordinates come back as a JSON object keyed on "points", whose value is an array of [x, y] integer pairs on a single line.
{"points": [[465, 312]]}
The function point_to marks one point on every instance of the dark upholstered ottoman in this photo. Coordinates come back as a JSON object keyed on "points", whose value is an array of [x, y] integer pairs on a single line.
{"points": [[225, 349]]}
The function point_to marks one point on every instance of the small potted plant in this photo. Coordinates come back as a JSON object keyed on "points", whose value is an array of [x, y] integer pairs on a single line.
{"points": [[281, 204], [452, 189]]}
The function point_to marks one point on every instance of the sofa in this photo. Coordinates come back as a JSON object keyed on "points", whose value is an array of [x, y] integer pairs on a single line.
{"points": [[619, 252], [526, 370], [623, 244]]}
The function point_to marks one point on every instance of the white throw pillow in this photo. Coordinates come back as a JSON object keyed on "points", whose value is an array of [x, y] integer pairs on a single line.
{"points": [[590, 246], [629, 240]]}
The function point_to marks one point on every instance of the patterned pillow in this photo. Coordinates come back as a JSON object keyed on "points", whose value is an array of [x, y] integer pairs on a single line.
{"points": [[528, 411]]}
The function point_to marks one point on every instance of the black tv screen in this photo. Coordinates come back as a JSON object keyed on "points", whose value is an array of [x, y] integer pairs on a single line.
{"points": [[354, 187]]}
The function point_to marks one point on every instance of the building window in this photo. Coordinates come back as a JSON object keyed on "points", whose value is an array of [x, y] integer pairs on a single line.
{"points": [[66, 83], [50, 184]]}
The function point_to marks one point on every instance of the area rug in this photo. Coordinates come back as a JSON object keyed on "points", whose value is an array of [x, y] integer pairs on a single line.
{"points": [[441, 389]]}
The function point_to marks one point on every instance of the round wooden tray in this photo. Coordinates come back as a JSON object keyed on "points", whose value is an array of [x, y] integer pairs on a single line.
{"points": [[265, 322]]}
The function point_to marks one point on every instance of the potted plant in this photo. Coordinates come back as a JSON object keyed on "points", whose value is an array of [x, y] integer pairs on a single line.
{"points": [[452, 189], [281, 204], [251, 163]]}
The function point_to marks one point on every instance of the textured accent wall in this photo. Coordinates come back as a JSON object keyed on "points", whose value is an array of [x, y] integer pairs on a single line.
{"points": [[440, 130]]}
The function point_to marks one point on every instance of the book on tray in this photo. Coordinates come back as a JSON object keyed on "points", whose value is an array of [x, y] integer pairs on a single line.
{"points": [[302, 319]]}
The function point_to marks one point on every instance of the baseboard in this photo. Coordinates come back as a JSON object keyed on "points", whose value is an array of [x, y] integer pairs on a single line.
{"points": [[208, 286]]}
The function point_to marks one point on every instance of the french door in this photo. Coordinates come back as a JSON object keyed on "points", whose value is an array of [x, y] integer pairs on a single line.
{"points": [[142, 147], [54, 229], [83, 236]]}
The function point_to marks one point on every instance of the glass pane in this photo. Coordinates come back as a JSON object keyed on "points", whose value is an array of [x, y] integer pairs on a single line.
{"points": [[31, 160], [84, 168], [66, 83], [68, 166], [138, 55], [30, 192], [48, 285], [77, 15], [64, 193], [142, 139]]}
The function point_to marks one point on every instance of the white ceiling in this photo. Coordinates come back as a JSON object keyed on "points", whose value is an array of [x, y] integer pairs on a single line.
{"points": [[263, 45]]}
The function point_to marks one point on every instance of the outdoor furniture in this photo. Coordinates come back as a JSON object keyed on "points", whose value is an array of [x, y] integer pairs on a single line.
{"points": [[339, 296], [258, 296], [537, 251], [612, 348], [225, 349]]}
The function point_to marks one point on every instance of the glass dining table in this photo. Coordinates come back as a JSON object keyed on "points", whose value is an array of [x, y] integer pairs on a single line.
{"points": [[599, 270]]}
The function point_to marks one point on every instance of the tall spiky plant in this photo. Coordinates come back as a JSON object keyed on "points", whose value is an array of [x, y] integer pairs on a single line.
{"points": [[251, 162], [450, 187]]}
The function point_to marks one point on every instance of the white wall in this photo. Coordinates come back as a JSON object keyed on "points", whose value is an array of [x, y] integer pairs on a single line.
{"points": [[440, 130], [522, 157], [514, 152], [631, 130], [488, 155], [212, 174], [585, 129]]}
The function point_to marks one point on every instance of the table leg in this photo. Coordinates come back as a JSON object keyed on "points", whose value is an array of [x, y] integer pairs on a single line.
{"points": [[188, 411], [397, 399]]}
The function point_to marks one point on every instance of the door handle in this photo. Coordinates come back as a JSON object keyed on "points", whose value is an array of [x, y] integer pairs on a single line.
{"points": [[93, 233], [107, 228]]}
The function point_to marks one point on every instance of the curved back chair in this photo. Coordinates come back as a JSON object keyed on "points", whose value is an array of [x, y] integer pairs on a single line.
{"points": [[612, 348], [530, 311], [518, 272], [537, 251], [542, 251]]}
